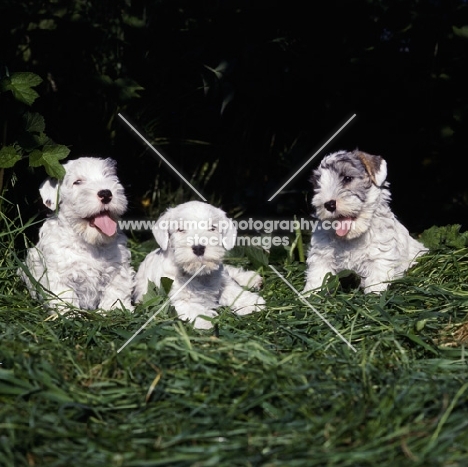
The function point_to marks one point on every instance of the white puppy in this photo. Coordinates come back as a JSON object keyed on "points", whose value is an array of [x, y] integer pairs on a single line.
{"points": [[193, 238], [81, 256], [357, 229]]}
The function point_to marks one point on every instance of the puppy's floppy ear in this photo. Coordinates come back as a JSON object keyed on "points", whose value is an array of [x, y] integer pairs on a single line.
{"points": [[161, 231], [49, 191], [375, 166], [228, 231]]}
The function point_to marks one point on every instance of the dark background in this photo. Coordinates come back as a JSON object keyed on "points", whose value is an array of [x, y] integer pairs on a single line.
{"points": [[250, 89]]}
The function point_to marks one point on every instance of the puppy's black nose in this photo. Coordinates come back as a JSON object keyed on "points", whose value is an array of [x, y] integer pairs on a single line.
{"points": [[199, 250], [330, 205], [105, 195]]}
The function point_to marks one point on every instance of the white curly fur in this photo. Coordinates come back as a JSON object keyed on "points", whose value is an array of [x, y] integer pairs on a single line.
{"points": [[181, 232], [81, 257], [352, 195]]}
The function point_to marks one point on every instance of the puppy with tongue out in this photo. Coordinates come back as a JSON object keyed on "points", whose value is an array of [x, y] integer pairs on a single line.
{"points": [[82, 257], [356, 228], [104, 222]]}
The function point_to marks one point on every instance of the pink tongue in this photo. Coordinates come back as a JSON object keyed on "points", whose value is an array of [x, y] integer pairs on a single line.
{"points": [[105, 224], [344, 226]]}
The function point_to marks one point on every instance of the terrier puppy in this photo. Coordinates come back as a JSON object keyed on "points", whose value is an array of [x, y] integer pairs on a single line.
{"points": [[81, 256], [193, 238], [357, 229]]}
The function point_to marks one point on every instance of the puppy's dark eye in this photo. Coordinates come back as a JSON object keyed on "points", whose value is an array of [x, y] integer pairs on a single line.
{"points": [[213, 228], [181, 230], [77, 182], [348, 179]]}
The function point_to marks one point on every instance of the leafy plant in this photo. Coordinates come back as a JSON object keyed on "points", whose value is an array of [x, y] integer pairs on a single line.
{"points": [[447, 236], [273, 388], [23, 131]]}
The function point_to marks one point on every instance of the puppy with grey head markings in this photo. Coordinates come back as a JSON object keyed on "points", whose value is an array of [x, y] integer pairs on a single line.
{"points": [[82, 257], [193, 238], [357, 229]]}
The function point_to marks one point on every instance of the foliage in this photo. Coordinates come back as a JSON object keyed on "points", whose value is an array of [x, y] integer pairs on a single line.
{"points": [[255, 89], [439, 237], [27, 31], [275, 388], [236, 95], [23, 131], [21, 86]]}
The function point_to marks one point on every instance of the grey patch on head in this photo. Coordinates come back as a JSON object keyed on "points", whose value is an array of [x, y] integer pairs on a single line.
{"points": [[347, 166], [341, 159], [356, 173], [356, 164], [371, 164]]}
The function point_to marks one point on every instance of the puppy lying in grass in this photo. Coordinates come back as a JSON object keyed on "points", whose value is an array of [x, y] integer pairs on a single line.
{"points": [[193, 238]]}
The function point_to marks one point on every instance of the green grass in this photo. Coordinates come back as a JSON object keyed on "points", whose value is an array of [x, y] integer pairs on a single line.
{"points": [[277, 388]]}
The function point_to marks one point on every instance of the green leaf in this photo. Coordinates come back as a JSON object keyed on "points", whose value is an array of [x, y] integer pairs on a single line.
{"points": [[461, 32], [21, 84], [8, 157], [257, 256], [153, 295], [133, 21], [32, 134], [30, 141], [128, 89], [437, 237], [166, 284], [34, 122], [49, 158], [105, 80]]}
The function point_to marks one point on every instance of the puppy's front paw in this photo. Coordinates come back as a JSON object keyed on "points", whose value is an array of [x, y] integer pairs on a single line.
{"points": [[255, 282], [194, 313], [248, 279], [201, 323], [246, 307]]}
